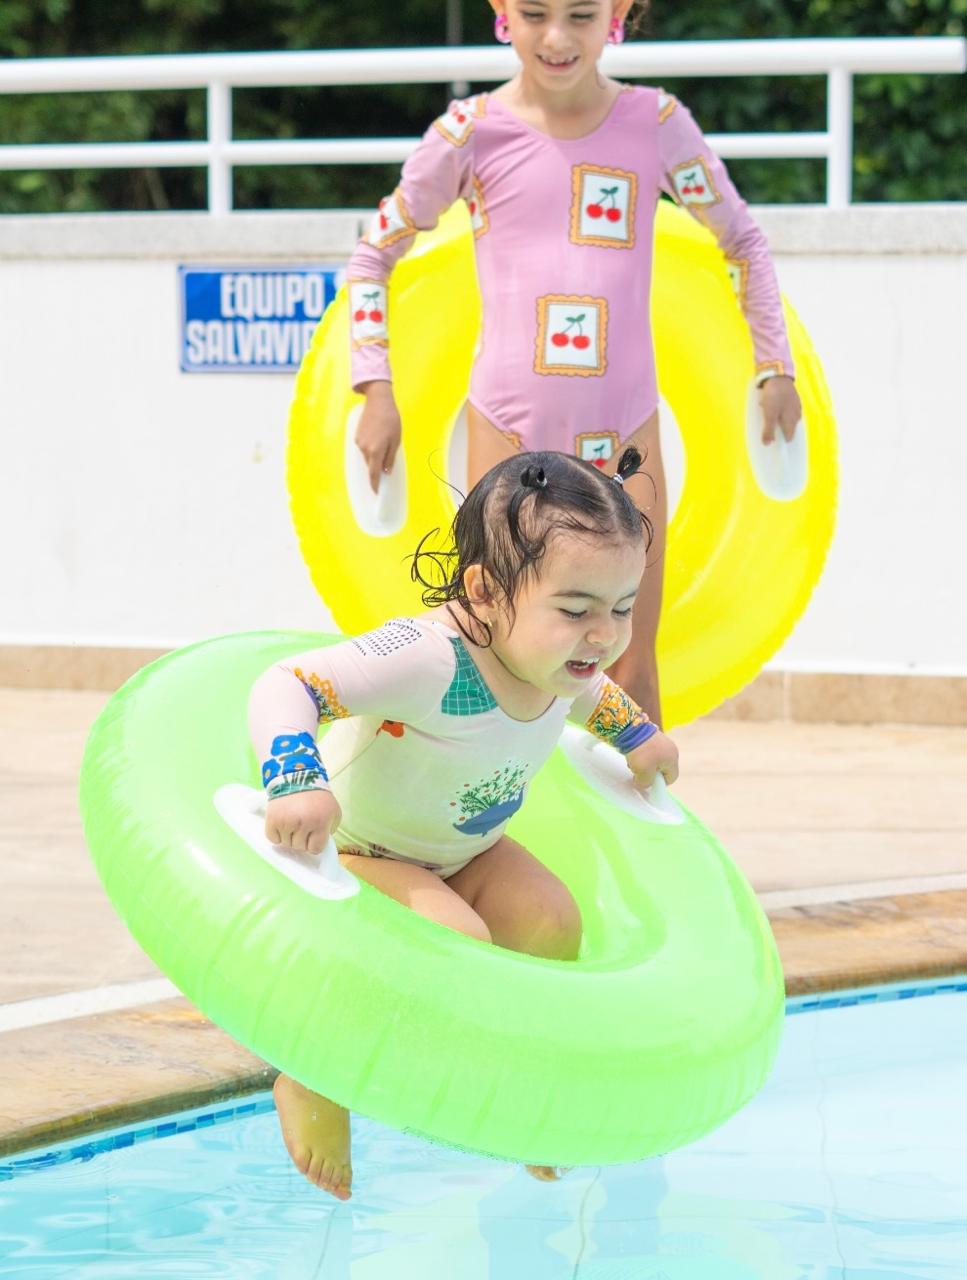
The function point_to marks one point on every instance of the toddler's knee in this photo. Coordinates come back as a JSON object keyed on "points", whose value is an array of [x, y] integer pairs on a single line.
{"points": [[474, 927], [481, 931], [559, 926]]}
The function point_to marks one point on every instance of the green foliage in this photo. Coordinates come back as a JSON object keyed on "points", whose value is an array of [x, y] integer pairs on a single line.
{"points": [[910, 131]]}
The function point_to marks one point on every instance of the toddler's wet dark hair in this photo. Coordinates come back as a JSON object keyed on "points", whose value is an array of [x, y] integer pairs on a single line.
{"points": [[512, 513]]}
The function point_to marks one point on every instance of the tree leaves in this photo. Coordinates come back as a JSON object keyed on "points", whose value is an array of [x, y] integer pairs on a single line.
{"points": [[910, 131]]}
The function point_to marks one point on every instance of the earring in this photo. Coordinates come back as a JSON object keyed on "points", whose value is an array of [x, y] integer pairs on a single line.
{"points": [[616, 32], [502, 29]]}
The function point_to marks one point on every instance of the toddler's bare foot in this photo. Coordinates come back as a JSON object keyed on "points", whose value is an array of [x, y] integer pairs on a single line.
{"points": [[316, 1135], [545, 1172]]}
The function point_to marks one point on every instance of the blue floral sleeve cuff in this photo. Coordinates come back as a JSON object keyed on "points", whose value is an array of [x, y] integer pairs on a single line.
{"points": [[634, 736], [294, 764]]}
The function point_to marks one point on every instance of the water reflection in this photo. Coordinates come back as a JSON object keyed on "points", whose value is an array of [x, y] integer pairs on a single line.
{"points": [[849, 1164]]}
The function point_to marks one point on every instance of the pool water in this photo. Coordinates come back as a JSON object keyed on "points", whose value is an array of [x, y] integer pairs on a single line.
{"points": [[852, 1162]]}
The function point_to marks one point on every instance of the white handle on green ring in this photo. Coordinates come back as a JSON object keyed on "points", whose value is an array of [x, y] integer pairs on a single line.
{"points": [[323, 875], [607, 772]]}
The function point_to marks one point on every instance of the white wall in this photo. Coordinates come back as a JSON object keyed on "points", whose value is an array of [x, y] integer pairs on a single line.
{"points": [[143, 506], [882, 293]]}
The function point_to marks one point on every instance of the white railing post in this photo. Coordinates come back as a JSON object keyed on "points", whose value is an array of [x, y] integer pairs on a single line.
{"points": [[839, 123], [458, 88], [219, 138]]}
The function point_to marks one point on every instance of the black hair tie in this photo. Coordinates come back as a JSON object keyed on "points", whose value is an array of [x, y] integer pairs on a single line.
{"points": [[533, 478], [628, 465]]}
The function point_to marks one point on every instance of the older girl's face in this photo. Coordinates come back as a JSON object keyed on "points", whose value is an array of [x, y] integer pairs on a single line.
{"points": [[558, 42]]}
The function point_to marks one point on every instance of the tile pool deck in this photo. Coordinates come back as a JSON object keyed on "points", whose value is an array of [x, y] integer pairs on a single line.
{"points": [[855, 838]]}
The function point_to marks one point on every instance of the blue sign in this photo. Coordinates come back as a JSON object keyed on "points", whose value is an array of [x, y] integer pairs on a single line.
{"points": [[251, 319]]}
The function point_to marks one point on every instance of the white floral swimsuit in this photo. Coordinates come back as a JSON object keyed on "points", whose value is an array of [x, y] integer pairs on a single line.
{"points": [[425, 765]]}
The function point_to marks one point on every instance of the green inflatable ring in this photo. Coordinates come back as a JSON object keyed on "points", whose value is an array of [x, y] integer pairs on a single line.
{"points": [[663, 1028]]}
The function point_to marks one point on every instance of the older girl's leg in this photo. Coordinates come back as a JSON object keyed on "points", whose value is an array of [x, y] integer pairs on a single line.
{"points": [[637, 669], [316, 1130], [486, 446]]}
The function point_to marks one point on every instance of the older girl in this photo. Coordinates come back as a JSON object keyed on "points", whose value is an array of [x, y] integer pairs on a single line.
{"points": [[561, 168]]}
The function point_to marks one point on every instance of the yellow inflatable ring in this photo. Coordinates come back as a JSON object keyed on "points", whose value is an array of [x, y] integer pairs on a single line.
{"points": [[748, 539]]}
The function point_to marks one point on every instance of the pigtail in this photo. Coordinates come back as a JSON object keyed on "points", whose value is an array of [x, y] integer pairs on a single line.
{"points": [[524, 548], [629, 464], [533, 477]]}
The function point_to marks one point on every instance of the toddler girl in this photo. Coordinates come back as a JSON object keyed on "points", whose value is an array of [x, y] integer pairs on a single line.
{"points": [[561, 169], [438, 722]]}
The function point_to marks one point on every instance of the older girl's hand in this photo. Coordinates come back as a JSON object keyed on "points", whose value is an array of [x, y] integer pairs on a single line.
{"points": [[302, 820], [781, 408], [379, 430]]}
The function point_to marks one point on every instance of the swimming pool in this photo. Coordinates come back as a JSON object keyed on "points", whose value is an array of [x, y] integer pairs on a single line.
{"points": [[852, 1162]]}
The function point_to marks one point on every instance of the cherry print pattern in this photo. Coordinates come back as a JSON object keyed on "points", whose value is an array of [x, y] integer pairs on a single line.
{"points": [[571, 335], [603, 203], [477, 208], [595, 447], [610, 211], [367, 307], [374, 313], [456, 124], [693, 184], [580, 339], [391, 222], [666, 105]]}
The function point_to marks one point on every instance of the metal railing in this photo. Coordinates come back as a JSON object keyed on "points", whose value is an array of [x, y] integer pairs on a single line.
{"points": [[839, 60]]}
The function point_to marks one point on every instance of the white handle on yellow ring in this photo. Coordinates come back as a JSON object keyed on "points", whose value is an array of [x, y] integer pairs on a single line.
{"points": [[379, 514], [781, 469], [322, 875]]}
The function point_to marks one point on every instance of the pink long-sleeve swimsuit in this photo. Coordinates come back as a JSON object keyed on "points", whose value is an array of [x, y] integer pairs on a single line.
{"points": [[564, 232]]}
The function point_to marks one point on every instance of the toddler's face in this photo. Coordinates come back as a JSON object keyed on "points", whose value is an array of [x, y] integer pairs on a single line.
{"points": [[574, 619], [558, 41]]}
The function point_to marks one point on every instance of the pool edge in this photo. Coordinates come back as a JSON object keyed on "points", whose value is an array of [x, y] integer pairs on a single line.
{"points": [[68, 1079]]}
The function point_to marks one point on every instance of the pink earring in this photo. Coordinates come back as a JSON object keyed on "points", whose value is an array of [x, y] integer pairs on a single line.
{"points": [[502, 29], [616, 32]]}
